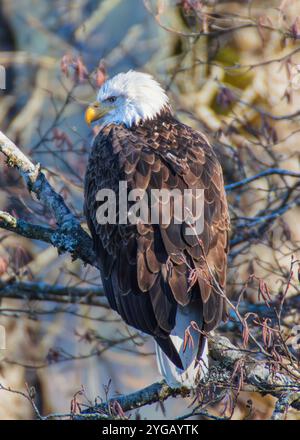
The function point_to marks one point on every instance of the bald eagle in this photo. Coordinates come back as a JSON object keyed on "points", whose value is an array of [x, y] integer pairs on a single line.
{"points": [[161, 280]]}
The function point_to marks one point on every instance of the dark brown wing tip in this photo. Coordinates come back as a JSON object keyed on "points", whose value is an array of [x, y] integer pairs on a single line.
{"points": [[169, 349]]}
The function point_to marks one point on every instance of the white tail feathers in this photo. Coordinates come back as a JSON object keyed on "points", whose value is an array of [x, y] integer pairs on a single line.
{"points": [[193, 371]]}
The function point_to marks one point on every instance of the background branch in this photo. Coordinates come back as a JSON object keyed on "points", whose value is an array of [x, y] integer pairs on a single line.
{"points": [[39, 291]]}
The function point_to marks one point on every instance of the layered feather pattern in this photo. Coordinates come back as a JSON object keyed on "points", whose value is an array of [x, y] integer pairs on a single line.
{"points": [[150, 271]]}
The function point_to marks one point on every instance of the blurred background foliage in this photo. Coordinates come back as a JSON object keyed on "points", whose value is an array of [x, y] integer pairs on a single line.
{"points": [[226, 83]]}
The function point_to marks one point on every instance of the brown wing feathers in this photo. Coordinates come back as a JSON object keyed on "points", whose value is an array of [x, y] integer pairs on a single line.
{"points": [[146, 268]]}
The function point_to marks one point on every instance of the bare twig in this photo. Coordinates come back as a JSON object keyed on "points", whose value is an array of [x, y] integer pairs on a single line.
{"points": [[265, 173]]}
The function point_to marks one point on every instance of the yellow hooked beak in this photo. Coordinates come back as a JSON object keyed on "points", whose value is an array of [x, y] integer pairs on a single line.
{"points": [[94, 112]]}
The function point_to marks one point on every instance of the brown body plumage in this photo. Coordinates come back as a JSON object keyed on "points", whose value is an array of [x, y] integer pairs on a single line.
{"points": [[147, 270]]}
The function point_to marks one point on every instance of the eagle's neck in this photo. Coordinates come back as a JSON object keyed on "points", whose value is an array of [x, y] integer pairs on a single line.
{"points": [[163, 121], [165, 116]]}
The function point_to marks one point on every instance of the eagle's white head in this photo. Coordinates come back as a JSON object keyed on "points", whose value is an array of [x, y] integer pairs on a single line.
{"points": [[127, 98]]}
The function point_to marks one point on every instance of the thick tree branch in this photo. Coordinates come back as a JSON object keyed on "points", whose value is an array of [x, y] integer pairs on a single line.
{"points": [[25, 229], [157, 392], [282, 405], [257, 377], [69, 236]]}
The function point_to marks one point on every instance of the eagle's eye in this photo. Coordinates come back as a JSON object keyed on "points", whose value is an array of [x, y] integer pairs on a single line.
{"points": [[111, 99]]}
